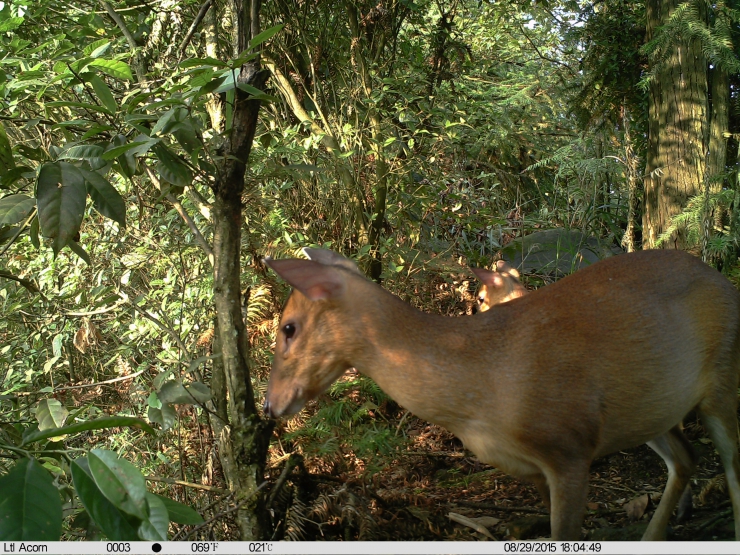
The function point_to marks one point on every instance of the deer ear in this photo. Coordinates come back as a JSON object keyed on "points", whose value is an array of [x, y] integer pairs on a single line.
{"points": [[315, 280], [486, 277], [503, 267], [330, 258]]}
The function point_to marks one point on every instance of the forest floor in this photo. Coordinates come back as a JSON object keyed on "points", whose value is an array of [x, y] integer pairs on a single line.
{"points": [[414, 496]]}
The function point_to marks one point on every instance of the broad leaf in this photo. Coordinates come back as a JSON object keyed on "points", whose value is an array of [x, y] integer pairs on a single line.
{"points": [[104, 93], [51, 414], [114, 68], [60, 196], [30, 506], [106, 199], [120, 482], [166, 416], [75, 247], [97, 424], [154, 528], [179, 513], [82, 152], [171, 168], [15, 208], [174, 392], [265, 35], [114, 523]]}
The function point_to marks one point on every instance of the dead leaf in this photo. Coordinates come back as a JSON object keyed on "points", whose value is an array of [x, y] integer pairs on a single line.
{"points": [[637, 507], [592, 506]]}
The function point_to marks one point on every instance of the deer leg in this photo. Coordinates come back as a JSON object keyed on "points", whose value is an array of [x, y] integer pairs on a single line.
{"points": [[722, 429], [678, 455], [568, 489]]}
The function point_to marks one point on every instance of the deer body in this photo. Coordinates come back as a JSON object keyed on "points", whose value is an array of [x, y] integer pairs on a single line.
{"points": [[608, 358]]}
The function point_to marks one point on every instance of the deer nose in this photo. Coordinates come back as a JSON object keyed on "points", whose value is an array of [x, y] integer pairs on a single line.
{"points": [[267, 409]]}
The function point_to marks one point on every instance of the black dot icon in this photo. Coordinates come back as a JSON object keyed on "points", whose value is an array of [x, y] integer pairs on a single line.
{"points": [[157, 547]]}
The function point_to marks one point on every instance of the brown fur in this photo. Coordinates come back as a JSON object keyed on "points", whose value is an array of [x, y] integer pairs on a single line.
{"points": [[608, 358]]}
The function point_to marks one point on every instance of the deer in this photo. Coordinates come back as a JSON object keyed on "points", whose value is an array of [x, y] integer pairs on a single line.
{"points": [[498, 285], [608, 358]]}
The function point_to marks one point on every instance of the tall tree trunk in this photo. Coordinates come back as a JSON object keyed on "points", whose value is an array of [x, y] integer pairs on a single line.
{"points": [[676, 131], [244, 441]]}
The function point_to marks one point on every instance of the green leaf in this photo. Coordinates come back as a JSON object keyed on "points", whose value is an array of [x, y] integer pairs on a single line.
{"points": [[109, 519], [51, 414], [120, 482], [10, 24], [6, 152], [115, 152], [15, 208], [11, 176], [30, 506], [265, 35], [79, 251], [179, 513], [114, 68], [154, 528], [193, 62], [166, 416], [34, 232], [82, 152], [104, 93], [171, 168], [97, 48], [106, 199], [97, 424], [174, 392], [60, 196]]}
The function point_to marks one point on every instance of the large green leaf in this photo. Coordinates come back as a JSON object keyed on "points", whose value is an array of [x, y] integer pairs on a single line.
{"points": [[106, 199], [103, 93], [126, 160], [114, 68], [171, 168], [120, 481], [174, 392], [97, 424], [75, 247], [154, 528], [114, 523], [265, 35], [51, 414], [30, 506], [179, 513], [82, 152], [60, 196], [15, 209]]}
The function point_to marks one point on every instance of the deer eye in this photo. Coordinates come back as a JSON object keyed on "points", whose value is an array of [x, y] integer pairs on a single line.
{"points": [[480, 300], [289, 331]]}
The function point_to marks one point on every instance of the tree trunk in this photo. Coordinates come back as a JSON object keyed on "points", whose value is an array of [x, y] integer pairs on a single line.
{"points": [[676, 131], [629, 241], [244, 441]]}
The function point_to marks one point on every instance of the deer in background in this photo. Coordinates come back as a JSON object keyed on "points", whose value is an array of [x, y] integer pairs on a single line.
{"points": [[498, 285], [531, 385]]}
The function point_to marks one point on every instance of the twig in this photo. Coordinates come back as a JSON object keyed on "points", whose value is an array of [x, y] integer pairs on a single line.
{"points": [[494, 507], [295, 460], [193, 26], [112, 380], [186, 484], [465, 521]]}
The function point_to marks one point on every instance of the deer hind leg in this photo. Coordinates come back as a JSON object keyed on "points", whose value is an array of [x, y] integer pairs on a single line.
{"points": [[568, 489], [721, 422], [678, 455]]}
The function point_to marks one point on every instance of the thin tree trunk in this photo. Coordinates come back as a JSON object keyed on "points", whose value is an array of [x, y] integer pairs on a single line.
{"points": [[629, 241], [244, 441]]}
